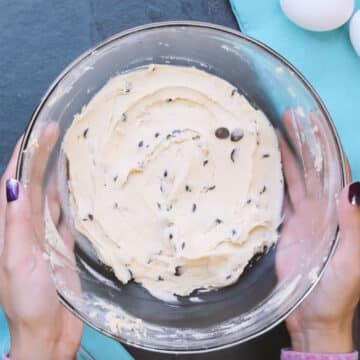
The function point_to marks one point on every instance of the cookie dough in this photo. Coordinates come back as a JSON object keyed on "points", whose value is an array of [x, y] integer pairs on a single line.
{"points": [[174, 178]]}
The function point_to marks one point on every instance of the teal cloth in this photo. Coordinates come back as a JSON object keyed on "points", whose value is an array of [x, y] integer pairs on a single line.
{"points": [[100, 347], [327, 60]]}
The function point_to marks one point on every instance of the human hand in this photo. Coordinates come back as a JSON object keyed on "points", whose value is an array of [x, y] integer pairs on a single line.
{"points": [[323, 322], [40, 327]]}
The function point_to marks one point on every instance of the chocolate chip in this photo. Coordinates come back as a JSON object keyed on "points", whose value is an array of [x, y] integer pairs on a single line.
{"points": [[218, 221], [266, 156], [160, 278], [222, 133], [115, 178], [232, 155], [196, 137], [228, 277], [178, 271], [169, 207], [237, 134], [169, 100], [183, 246], [176, 131], [171, 236], [168, 136], [263, 190], [205, 162], [157, 134], [187, 188], [209, 188], [91, 217], [161, 188], [248, 201], [158, 205], [233, 232], [85, 133], [194, 208], [116, 205], [67, 168], [165, 173], [123, 117], [141, 143], [85, 219], [233, 92]]}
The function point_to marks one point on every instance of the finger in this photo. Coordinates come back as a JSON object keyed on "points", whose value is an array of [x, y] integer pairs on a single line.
{"points": [[9, 173], [18, 248], [46, 143], [291, 171], [347, 255]]}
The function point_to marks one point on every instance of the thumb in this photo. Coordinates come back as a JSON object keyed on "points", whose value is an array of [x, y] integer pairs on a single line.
{"points": [[19, 245]]}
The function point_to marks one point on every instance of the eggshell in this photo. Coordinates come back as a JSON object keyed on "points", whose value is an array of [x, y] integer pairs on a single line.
{"points": [[355, 32], [318, 15]]}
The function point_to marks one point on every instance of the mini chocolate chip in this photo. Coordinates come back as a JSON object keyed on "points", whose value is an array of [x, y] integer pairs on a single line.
{"points": [[160, 278], [85, 133], [171, 236], [115, 178], [233, 92], [123, 117], [187, 188], [141, 143], [218, 221], [233, 232], [266, 156], [178, 271], [194, 208], [169, 207], [176, 131], [205, 162], [161, 188], [232, 155], [237, 134], [168, 136], [91, 217], [157, 134], [210, 188], [248, 201], [116, 205], [169, 100], [196, 137], [67, 168], [183, 246], [165, 173], [158, 205], [263, 190], [222, 133], [228, 277], [85, 219]]}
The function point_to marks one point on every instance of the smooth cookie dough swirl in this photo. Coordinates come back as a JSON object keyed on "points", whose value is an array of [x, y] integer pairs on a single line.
{"points": [[174, 178]]}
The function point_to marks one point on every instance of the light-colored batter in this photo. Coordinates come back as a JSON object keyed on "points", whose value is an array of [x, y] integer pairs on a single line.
{"points": [[174, 178]]}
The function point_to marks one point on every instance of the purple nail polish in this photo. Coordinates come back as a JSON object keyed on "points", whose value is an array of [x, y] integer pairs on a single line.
{"points": [[12, 190], [354, 193]]}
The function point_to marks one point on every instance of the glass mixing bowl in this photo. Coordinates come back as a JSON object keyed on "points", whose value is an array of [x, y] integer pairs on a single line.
{"points": [[273, 284]]}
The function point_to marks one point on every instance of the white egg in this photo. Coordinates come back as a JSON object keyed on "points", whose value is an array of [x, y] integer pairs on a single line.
{"points": [[355, 32], [318, 15]]}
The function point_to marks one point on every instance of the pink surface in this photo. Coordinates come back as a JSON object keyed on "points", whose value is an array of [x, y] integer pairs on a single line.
{"points": [[293, 355]]}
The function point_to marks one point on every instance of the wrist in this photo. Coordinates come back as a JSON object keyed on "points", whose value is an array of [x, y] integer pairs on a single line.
{"points": [[328, 338], [37, 347]]}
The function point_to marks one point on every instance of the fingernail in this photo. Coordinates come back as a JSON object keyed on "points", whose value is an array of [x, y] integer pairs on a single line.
{"points": [[12, 190], [354, 193]]}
